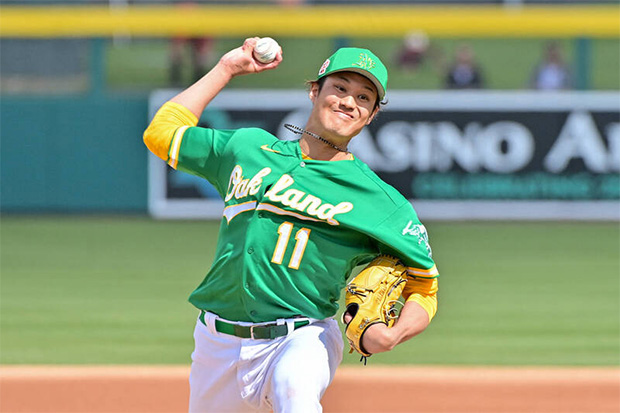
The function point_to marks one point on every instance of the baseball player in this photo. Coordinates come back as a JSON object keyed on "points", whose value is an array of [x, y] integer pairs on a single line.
{"points": [[299, 216]]}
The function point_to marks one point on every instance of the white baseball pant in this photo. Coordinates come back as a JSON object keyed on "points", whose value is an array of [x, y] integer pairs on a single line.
{"points": [[286, 374]]}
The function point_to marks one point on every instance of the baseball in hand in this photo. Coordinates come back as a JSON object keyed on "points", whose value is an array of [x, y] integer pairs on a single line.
{"points": [[266, 50]]}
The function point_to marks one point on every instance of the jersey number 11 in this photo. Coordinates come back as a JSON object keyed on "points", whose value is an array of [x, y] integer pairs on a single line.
{"points": [[301, 241]]}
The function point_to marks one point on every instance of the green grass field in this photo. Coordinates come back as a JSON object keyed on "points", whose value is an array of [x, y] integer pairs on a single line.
{"points": [[507, 63], [113, 290]]}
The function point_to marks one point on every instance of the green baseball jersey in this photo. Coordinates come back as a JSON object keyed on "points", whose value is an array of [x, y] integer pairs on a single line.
{"points": [[293, 229]]}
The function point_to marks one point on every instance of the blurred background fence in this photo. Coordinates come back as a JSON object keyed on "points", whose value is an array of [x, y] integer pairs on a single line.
{"points": [[76, 76]]}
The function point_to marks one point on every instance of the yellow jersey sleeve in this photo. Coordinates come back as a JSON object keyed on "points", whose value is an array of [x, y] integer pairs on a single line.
{"points": [[424, 292], [169, 119]]}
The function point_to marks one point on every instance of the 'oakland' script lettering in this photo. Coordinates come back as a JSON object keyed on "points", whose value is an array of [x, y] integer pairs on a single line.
{"points": [[240, 187], [303, 202]]}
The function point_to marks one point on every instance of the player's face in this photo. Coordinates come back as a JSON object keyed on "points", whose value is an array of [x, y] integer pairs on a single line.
{"points": [[343, 106]]}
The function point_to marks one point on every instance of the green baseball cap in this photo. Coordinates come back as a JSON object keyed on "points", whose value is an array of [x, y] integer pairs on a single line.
{"points": [[362, 61]]}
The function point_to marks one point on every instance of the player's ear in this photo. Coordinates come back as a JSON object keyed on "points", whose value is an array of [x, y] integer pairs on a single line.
{"points": [[313, 92], [373, 115]]}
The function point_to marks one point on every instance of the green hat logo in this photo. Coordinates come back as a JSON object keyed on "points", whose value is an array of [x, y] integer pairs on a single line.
{"points": [[365, 62], [362, 61]]}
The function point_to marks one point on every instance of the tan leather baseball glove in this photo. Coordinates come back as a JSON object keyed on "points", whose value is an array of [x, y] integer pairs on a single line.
{"points": [[371, 297]]}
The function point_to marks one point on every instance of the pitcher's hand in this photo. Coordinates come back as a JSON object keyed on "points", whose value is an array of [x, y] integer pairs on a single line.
{"points": [[241, 61]]}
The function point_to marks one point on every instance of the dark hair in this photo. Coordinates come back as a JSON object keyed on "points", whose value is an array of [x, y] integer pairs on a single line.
{"points": [[320, 82]]}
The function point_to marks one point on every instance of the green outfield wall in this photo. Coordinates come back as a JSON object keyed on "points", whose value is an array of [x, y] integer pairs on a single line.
{"points": [[73, 154]]}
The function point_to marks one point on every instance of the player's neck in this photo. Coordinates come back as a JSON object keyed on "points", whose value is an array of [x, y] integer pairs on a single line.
{"points": [[321, 151]]}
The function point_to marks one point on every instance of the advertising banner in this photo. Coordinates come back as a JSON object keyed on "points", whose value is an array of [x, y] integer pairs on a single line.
{"points": [[455, 155]]}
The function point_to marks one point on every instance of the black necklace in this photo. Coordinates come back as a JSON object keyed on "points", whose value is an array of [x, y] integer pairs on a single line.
{"points": [[300, 131]]}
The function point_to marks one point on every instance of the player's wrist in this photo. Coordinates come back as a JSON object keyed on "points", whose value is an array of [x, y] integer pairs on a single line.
{"points": [[379, 338], [224, 70]]}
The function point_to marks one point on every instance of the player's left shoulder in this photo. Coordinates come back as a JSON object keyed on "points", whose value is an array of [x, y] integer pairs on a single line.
{"points": [[390, 194]]}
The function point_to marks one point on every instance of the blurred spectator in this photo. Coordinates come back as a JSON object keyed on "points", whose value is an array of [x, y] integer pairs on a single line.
{"points": [[200, 49], [551, 73], [464, 73], [414, 50]]}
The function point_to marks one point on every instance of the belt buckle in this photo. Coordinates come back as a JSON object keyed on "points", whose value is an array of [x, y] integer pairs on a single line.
{"points": [[252, 331]]}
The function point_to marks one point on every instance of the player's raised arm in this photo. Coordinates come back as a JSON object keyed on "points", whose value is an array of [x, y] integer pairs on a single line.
{"points": [[185, 109]]}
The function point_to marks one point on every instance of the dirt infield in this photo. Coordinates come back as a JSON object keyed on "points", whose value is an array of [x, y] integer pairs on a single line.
{"points": [[355, 389]]}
